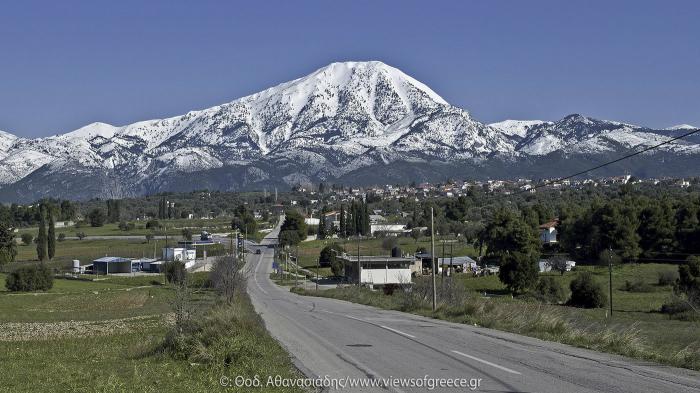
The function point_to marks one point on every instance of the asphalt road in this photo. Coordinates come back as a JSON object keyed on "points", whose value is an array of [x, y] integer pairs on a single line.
{"points": [[339, 339]]}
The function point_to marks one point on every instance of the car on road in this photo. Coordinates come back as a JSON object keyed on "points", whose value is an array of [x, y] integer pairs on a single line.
{"points": [[257, 251]]}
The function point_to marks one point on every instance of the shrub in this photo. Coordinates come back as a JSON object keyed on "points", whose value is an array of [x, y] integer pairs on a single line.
{"points": [[329, 253], [667, 277], [175, 272], [152, 224], [389, 243], [27, 238], [549, 290], [81, 235], [637, 286], [30, 278], [61, 237], [586, 292]]}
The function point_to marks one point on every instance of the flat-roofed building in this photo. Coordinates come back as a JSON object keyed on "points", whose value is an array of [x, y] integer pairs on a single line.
{"points": [[109, 265], [377, 270]]}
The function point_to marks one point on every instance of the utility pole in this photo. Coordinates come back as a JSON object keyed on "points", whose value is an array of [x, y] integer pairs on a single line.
{"points": [[318, 266], [296, 268], [432, 255], [442, 276], [610, 279], [359, 273]]}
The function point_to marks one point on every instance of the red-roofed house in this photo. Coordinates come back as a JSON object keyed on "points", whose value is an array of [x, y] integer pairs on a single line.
{"points": [[548, 231]]}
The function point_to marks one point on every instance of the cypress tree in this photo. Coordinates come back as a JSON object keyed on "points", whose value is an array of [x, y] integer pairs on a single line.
{"points": [[351, 220], [321, 234], [41, 246], [51, 243], [342, 221], [367, 226]]}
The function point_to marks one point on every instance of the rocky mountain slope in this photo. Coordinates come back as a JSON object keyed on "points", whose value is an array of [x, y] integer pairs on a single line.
{"points": [[343, 122]]}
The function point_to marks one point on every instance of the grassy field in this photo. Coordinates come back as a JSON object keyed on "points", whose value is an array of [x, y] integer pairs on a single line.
{"points": [[111, 336], [635, 329], [173, 227]]}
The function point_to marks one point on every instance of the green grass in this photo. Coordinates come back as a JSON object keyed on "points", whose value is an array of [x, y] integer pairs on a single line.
{"points": [[174, 228], [108, 336], [636, 328]]}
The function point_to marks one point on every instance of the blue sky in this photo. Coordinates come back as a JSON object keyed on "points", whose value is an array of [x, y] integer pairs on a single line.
{"points": [[66, 64]]}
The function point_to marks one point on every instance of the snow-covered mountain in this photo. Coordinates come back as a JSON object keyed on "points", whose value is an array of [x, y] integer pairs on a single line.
{"points": [[681, 127], [345, 121]]}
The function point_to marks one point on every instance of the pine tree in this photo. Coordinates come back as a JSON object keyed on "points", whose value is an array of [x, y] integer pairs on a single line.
{"points": [[41, 244], [51, 241]]}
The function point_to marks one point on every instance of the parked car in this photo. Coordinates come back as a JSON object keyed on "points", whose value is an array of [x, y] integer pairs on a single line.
{"points": [[257, 251]]}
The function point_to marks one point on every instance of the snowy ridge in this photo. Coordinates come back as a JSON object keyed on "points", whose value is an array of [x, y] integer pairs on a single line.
{"points": [[681, 127], [339, 119], [517, 128]]}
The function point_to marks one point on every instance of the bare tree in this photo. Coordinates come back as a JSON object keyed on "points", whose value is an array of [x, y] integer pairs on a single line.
{"points": [[182, 305], [228, 276]]}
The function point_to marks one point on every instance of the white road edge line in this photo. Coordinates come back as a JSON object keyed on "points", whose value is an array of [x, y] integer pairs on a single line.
{"points": [[486, 362], [397, 331]]}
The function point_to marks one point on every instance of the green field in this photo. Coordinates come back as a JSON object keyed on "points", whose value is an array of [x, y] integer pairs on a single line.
{"points": [[173, 227], [109, 336], [636, 327]]}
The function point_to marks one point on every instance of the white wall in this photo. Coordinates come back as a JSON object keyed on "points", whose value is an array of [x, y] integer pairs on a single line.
{"points": [[386, 228], [386, 276], [548, 235]]}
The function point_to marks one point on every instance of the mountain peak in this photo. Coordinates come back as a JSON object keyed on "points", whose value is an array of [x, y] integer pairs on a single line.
{"points": [[681, 127], [92, 130]]}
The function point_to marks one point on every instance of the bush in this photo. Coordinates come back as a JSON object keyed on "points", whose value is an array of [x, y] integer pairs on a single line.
{"points": [[30, 278], [586, 292], [549, 290], [152, 224], [667, 277], [680, 309], [61, 237], [389, 243], [27, 238], [329, 253], [637, 286], [81, 235], [175, 272]]}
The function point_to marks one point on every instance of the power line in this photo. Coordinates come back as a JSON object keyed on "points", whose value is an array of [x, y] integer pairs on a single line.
{"points": [[630, 155]]}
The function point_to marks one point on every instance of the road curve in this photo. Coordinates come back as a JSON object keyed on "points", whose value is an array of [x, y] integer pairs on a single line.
{"points": [[328, 337]]}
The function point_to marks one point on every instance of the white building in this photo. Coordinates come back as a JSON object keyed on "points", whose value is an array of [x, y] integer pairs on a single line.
{"points": [[548, 231], [312, 221], [179, 254], [377, 270]]}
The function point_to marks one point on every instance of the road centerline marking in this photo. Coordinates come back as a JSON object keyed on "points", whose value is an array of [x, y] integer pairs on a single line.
{"points": [[487, 362]]}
